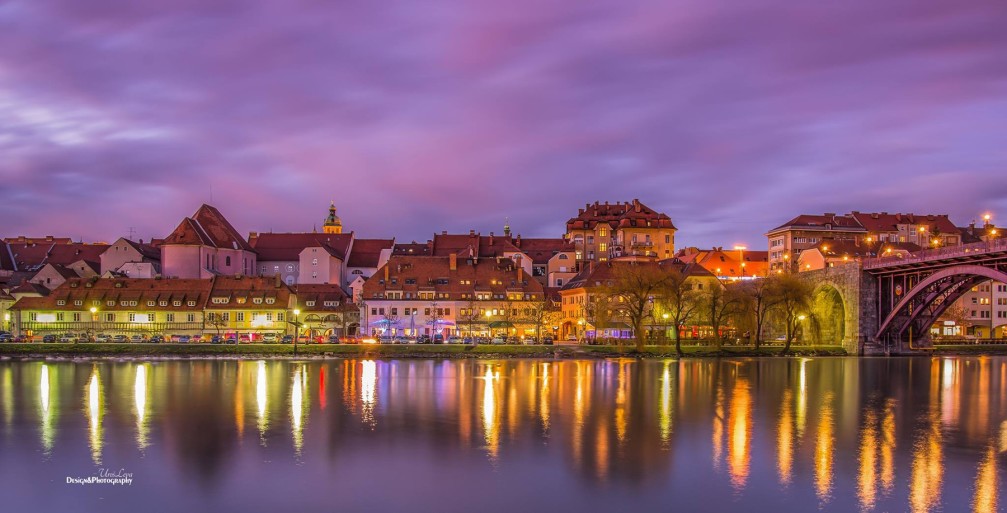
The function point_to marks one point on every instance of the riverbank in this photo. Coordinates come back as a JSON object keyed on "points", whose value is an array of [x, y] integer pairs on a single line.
{"points": [[391, 351]]}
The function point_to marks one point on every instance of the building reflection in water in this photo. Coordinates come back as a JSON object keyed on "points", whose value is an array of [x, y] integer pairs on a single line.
{"points": [[867, 478], [544, 398], [928, 467], [665, 412], [785, 439], [140, 403], [824, 450], [7, 396], [490, 413], [95, 413], [261, 383], [298, 395], [45, 413], [740, 434], [986, 483], [368, 391], [717, 441], [802, 398]]}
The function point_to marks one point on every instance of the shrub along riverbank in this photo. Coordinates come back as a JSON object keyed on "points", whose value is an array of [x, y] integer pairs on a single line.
{"points": [[392, 351]]}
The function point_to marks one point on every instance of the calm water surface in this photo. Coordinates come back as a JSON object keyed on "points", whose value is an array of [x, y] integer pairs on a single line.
{"points": [[830, 434]]}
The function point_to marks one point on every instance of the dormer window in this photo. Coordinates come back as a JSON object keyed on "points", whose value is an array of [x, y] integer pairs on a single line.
{"points": [[111, 303], [192, 303], [176, 303], [78, 303], [270, 300], [163, 303], [150, 303], [257, 301], [220, 300], [309, 303], [61, 302]]}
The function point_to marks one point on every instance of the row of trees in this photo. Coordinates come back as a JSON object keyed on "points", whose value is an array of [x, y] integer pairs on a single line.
{"points": [[641, 293]]}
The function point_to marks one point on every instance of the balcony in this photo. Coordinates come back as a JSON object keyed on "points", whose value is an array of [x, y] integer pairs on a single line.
{"points": [[641, 244]]}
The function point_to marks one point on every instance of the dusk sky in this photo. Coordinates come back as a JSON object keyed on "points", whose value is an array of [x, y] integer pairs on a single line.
{"points": [[422, 116]]}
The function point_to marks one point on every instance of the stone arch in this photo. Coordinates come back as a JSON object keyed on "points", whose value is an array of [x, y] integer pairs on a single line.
{"points": [[828, 321]]}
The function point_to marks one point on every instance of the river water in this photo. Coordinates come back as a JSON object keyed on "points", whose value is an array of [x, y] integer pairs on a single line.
{"points": [[826, 434]]}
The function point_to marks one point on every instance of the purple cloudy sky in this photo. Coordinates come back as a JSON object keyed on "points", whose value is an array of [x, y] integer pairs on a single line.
{"points": [[421, 116]]}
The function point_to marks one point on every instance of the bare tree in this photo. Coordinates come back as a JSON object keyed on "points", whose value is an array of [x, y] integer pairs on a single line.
{"points": [[598, 312], [633, 288], [679, 300], [722, 302], [217, 321], [759, 299], [793, 301]]}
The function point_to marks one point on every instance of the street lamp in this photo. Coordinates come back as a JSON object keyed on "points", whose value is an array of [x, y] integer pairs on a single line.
{"points": [[297, 331], [665, 317], [6, 320]]}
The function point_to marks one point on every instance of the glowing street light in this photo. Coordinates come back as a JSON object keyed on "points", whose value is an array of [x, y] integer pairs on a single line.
{"points": [[297, 331]]}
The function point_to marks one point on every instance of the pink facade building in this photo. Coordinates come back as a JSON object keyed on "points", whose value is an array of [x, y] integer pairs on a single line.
{"points": [[206, 245]]}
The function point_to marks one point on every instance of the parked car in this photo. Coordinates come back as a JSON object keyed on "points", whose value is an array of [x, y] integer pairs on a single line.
{"points": [[244, 338], [423, 339], [469, 340], [334, 339], [231, 340], [547, 340], [136, 339], [216, 339], [499, 340], [48, 339], [184, 339], [571, 338], [287, 339], [120, 338], [156, 339], [454, 339], [68, 337], [438, 339], [269, 338], [6, 337], [102, 338]]}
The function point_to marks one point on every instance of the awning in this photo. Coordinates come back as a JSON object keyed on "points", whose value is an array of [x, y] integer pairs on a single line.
{"points": [[501, 324], [441, 322], [385, 322]]}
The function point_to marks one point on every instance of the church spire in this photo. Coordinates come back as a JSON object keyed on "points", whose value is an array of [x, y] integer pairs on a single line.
{"points": [[507, 227], [332, 223]]}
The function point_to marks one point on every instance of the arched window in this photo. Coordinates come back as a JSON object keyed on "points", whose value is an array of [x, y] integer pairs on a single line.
{"points": [[290, 268], [563, 256], [290, 280]]}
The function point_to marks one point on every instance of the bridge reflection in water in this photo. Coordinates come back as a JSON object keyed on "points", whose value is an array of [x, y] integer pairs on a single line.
{"points": [[724, 435]]}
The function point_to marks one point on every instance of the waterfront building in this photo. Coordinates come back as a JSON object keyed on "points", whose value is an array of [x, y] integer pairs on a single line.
{"points": [[831, 253], [604, 231], [249, 307], [586, 305], [326, 310], [206, 245], [119, 306], [454, 294], [787, 241]]}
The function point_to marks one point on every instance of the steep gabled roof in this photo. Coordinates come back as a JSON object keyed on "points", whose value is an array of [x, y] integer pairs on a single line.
{"points": [[822, 222], [885, 222], [147, 251], [32, 256], [319, 293], [207, 227], [411, 274], [541, 250]]}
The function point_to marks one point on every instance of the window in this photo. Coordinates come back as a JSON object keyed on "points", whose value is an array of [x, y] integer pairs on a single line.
{"points": [[150, 303], [191, 317], [395, 311], [314, 274], [111, 303], [110, 317], [191, 303], [61, 302], [374, 311], [59, 316], [170, 317], [602, 247], [270, 300], [667, 239], [76, 317], [257, 300], [240, 316], [314, 261], [132, 317], [162, 303], [227, 261], [602, 232], [263, 270], [290, 268], [279, 316], [176, 302], [225, 316], [78, 303], [563, 257], [309, 303]]}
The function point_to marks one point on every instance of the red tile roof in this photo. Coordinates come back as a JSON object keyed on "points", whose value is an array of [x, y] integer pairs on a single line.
{"points": [[117, 290], [412, 274], [728, 261], [243, 291], [288, 246], [541, 250], [367, 252], [822, 222], [885, 222], [320, 294], [207, 227], [32, 256], [619, 215], [483, 246]]}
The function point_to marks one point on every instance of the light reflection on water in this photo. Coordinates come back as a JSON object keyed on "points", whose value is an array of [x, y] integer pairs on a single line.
{"points": [[881, 435]]}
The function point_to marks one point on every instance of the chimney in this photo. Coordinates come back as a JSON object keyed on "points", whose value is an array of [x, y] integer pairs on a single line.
{"points": [[636, 205], [517, 265], [517, 241], [472, 233], [580, 211], [491, 239], [453, 261], [386, 273], [277, 280], [48, 238]]}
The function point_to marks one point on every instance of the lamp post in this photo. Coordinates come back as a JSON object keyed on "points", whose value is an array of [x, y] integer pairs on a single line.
{"points": [[741, 258], [665, 317], [6, 321], [297, 330]]}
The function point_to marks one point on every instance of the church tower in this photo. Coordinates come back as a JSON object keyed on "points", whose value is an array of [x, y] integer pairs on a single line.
{"points": [[332, 223]]}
